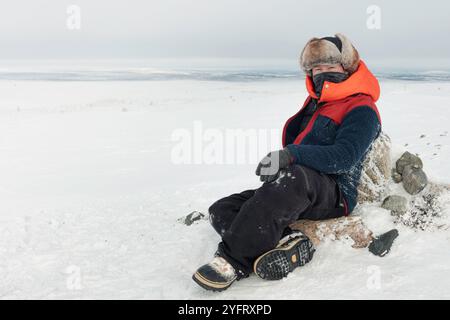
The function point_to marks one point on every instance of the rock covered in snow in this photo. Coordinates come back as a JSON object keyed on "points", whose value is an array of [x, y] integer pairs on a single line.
{"points": [[397, 177], [425, 205], [426, 208], [408, 169], [376, 170], [408, 159], [414, 179], [340, 228], [395, 203], [191, 218]]}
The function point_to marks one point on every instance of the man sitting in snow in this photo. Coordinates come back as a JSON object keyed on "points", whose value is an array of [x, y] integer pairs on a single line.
{"points": [[315, 176]]}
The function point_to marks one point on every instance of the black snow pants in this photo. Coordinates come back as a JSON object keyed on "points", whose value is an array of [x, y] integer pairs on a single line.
{"points": [[253, 221]]}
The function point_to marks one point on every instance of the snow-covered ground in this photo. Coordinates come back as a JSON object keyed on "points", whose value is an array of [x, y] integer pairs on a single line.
{"points": [[90, 195]]}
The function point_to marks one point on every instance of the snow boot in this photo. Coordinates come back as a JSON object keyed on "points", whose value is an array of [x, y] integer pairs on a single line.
{"points": [[217, 275], [292, 251]]}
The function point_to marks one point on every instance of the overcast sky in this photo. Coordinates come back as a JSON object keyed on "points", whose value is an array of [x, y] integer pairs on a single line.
{"points": [[220, 28]]}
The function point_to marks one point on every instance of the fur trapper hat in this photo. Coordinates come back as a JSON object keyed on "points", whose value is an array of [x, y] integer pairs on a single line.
{"points": [[329, 50]]}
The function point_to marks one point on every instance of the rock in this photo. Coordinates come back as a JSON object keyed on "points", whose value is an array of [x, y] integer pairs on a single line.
{"points": [[382, 244], [376, 170], [397, 177], [427, 208], [408, 159], [191, 218], [397, 204], [414, 179], [336, 229]]}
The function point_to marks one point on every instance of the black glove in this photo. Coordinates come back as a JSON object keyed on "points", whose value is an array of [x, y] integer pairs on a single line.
{"points": [[270, 166]]}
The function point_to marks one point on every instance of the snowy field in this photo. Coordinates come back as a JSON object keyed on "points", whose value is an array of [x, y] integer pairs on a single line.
{"points": [[90, 196]]}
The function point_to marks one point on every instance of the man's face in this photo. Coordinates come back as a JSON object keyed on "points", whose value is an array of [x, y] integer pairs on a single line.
{"points": [[327, 68]]}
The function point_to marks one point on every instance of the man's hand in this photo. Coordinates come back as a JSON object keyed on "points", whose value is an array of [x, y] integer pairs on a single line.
{"points": [[270, 166]]}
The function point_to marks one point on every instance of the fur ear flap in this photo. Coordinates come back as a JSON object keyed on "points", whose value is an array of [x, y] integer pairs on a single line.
{"points": [[350, 56], [302, 56]]}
